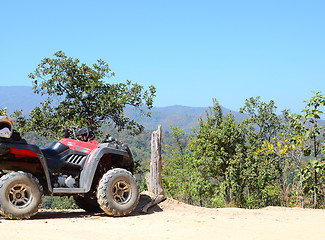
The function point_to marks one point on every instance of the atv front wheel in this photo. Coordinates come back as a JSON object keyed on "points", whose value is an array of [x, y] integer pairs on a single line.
{"points": [[118, 192], [20, 195]]}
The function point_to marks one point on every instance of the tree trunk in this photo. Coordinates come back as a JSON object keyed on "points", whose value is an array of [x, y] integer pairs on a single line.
{"points": [[315, 187], [154, 181], [301, 189], [315, 190]]}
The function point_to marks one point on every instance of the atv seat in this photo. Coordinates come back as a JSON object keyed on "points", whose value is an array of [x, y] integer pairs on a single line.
{"points": [[52, 153], [54, 149]]}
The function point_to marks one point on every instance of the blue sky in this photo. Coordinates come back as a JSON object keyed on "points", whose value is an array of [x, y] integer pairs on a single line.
{"points": [[191, 51]]}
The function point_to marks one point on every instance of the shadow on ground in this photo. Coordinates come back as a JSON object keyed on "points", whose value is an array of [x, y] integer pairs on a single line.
{"points": [[79, 213]]}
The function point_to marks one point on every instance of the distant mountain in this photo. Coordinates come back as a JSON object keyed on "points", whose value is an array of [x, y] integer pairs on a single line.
{"points": [[181, 109], [183, 116], [22, 97], [18, 97]]}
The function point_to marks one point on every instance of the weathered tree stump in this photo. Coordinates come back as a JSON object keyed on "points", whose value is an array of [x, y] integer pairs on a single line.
{"points": [[153, 179]]}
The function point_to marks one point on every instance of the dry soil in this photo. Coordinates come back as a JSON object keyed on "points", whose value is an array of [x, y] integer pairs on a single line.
{"points": [[170, 220]]}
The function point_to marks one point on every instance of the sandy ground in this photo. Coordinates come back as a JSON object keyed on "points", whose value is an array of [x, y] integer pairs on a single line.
{"points": [[171, 220]]}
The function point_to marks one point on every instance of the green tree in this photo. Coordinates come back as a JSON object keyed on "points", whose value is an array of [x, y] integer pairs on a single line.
{"points": [[314, 180], [312, 114], [177, 171], [261, 170], [262, 119], [76, 91], [207, 172], [218, 149], [297, 143], [300, 137], [286, 151]]}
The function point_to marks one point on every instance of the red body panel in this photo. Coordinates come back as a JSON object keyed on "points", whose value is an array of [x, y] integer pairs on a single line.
{"points": [[21, 153], [90, 157], [85, 147]]}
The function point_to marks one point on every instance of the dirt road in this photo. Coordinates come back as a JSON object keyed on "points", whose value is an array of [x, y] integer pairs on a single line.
{"points": [[171, 220]]}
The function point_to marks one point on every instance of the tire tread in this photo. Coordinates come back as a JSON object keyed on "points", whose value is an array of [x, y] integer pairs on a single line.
{"points": [[9, 176], [104, 185]]}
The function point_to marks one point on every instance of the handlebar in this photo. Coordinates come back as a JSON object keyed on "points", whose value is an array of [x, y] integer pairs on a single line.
{"points": [[82, 134]]}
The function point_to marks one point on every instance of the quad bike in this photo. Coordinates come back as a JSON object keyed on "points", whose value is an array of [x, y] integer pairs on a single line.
{"points": [[98, 175]]}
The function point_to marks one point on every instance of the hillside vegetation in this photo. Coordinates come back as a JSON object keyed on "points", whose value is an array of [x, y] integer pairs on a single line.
{"points": [[265, 160]]}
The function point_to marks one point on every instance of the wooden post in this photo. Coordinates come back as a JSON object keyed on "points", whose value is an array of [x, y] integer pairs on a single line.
{"points": [[154, 182]]}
